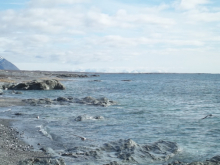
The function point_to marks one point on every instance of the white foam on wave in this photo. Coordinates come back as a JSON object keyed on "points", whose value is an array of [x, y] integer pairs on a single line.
{"points": [[44, 132]]}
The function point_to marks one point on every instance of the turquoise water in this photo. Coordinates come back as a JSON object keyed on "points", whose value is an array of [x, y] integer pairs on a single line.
{"points": [[150, 107]]}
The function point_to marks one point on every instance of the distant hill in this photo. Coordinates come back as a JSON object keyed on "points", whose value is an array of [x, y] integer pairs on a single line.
{"points": [[6, 65]]}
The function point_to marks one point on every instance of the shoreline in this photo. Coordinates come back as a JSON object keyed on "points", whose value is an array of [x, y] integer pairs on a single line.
{"points": [[12, 148]]}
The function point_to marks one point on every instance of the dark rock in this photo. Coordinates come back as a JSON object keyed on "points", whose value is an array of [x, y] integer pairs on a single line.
{"points": [[70, 98], [95, 75], [18, 114], [213, 161], [98, 102], [99, 117], [49, 151], [42, 161], [35, 102], [130, 151], [66, 101], [38, 85], [71, 76], [112, 163], [62, 99], [127, 151], [80, 118]]}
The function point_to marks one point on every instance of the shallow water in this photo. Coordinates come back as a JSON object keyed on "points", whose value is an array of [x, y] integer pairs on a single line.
{"points": [[151, 107]]}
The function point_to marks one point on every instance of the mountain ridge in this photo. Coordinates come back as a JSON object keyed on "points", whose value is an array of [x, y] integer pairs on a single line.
{"points": [[6, 65]]}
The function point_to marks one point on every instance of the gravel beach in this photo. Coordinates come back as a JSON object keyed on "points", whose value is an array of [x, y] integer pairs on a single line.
{"points": [[12, 148]]}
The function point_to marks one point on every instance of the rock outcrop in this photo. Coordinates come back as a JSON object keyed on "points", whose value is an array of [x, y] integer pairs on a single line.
{"points": [[42, 161], [127, 152], [104, 102], [71, 76], [38, 85], [213, 161]]}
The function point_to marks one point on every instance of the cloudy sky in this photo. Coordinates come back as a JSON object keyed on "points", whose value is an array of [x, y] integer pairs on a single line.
{"points": [[112, 35]]}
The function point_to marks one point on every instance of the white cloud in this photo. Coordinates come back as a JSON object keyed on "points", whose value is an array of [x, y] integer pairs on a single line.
{"points": [[72, 33], [197, 15], [37, 3], [190, 4]]}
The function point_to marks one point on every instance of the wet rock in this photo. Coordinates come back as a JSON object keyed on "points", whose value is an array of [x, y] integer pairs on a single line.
{"points": [[70, 98], [93, 154], [80, 118], [35, 102], [47, 101], [128, 150], [66, 101], [49, 151], [213, 161], [95, 75], [39, 161], [112, 163], [84, 117], [16, 92], [62, 99], [38, 85], [5, 86], [99, 117], [71, 76], [104, 102], [177, 163], [18, 114], [1, 92]]}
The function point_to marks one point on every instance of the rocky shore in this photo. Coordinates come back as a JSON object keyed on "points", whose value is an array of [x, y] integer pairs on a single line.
{"points": [[14, 151]]}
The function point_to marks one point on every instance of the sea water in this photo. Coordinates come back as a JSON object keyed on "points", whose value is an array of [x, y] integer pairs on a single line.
{"points": [[150, 107]]}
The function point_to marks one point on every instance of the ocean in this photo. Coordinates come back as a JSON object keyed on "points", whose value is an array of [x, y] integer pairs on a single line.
{"points": [[150, 108]]}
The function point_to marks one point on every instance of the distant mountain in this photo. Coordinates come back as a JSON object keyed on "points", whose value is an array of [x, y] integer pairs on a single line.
{"points": [[6, 65]]}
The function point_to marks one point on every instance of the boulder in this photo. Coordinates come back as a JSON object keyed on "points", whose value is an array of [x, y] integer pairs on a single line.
{"points": [[38, 85]]}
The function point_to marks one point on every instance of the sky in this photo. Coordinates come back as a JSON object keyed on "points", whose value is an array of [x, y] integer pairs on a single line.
{"points": [[132, 36]]}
